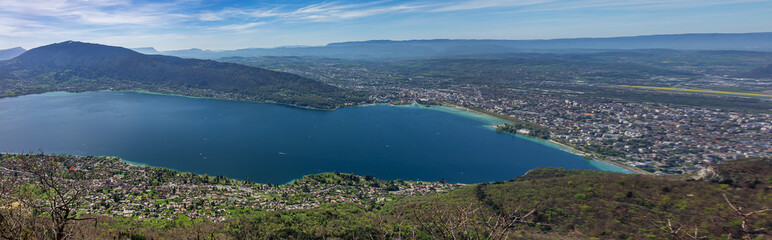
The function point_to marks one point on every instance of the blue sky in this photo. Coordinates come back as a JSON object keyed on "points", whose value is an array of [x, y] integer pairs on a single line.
{"points": [[182, 24]]}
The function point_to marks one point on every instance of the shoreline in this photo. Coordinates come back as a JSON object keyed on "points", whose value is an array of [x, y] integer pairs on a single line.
{"points": [[574, 150], [136, 164], [480, 115], [222, 99], [486, 117], [180, 95], [546, 142]]}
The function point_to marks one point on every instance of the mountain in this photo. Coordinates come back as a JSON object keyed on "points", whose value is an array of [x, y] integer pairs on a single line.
{"points": [[193, 53], [77, 66], [146, 50], [386, 49], [6, 54]]}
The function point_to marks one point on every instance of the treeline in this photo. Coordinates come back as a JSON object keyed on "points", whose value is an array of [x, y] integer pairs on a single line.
{"points": [[337, 178], [601, 150], [534, 130]]}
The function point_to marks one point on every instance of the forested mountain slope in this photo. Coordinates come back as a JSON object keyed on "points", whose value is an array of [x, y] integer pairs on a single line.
{"points": [[76, 66]]}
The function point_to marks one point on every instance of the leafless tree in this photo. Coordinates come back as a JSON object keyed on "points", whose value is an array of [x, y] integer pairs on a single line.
{"points": [[746, 215], [470, 221], [205, 230], [501, 224], [443, 221], [53, 190], [13, 218], [676, 232]]}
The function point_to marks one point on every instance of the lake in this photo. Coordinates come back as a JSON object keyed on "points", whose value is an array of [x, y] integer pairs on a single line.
{"points": [[270, 142]]}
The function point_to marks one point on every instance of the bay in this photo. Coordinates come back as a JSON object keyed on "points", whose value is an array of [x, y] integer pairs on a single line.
{"points": [[270, 142]]}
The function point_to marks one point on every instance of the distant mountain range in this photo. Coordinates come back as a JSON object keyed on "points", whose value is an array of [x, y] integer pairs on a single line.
{"points": [[77, 66], [6, 54], [146, 50], [386, 49]]}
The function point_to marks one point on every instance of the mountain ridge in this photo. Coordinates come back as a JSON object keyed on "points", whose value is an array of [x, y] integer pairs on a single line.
{"points": [[6, 54], [146, 50], [400, 49], [77, 66]]}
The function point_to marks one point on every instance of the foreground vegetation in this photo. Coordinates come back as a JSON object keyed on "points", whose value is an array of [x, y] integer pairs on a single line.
{"points": [[730, 200]]}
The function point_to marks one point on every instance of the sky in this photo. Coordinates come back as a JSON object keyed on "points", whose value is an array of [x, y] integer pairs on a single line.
{"points": [[220, 25]]}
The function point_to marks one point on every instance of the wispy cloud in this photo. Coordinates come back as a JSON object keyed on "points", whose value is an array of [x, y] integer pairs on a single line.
{"points": [[631, 5], [92, 12], [209, 16], [337, 12], [480, 4], [238, 13], [239, 27], [27, 21], [319, 12], [50, 15]]}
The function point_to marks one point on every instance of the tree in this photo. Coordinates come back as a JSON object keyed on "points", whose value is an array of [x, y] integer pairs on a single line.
{"points": [[675, 232], [16, 221], [54, 190], [746, 215]]}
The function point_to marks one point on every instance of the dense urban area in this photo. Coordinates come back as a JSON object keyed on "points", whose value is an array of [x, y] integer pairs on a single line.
{"points": [[590, 110], [120, 189]]}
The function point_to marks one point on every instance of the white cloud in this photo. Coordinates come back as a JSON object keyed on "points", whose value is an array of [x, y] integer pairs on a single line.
{"points": [[629, 5], [235, 13], [479, 4], [5, 30], [561, 5], [96, 12], [239, 27], [330, 12], [46, 20], [260, 13], [138, 40], [209, 16], [320, 12]]}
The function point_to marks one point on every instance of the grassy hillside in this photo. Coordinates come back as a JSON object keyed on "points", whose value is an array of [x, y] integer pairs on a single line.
{"points": [[589, 204], [730, 200], [545, 203], [557, 203]]}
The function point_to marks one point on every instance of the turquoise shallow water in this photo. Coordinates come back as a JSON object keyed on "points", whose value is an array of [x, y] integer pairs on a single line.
{"points": [[270, 142]]}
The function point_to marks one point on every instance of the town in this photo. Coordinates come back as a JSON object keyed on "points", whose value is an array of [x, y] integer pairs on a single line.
{"points": [[657, 132], [654, 137], [115, 188]]}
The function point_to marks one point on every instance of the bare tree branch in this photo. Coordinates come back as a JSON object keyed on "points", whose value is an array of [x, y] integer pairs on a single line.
{"points": [[746, 216]]}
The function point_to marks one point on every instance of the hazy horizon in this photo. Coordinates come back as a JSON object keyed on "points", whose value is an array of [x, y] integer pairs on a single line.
{"points": [[394, 40], [185, 24]]}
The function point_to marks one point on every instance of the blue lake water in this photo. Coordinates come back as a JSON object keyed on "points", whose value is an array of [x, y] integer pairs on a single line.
{"points": [[270, 142]]}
